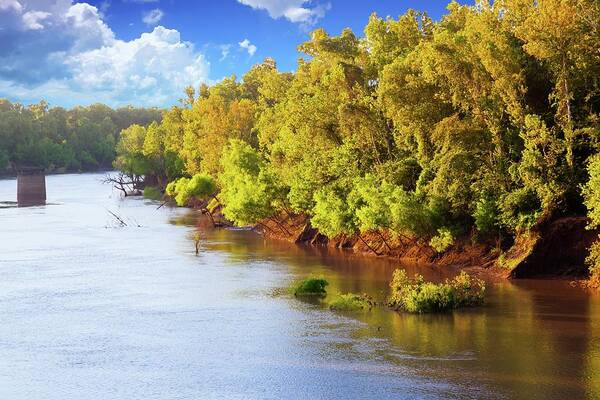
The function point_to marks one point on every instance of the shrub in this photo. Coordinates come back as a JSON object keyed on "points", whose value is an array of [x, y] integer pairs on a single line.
{"points": [[486, 215], [201, 186], [467, 291], [442, 241], [351, 302], [152, 193], [593, 261], [591, 193], [170, 189], [181, 193], [417, 296], [310, 287], [520, 209]]}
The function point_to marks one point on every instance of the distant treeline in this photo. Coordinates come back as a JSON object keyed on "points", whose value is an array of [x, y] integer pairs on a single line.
{"points": [[57, 139], [484, 124]]}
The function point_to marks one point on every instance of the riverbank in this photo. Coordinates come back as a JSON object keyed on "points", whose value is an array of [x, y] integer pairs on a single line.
{"points": [[554, 250]]}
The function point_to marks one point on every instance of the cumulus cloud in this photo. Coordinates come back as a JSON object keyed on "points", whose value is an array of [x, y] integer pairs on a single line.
{"points": [[10, 5], [66, 53], [297, 11], [249, 47], [156, 67], [153, 17], [33, 20]]}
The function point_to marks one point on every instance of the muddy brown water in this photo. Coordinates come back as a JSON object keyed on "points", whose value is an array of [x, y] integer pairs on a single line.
{"points": [[92, 310]]}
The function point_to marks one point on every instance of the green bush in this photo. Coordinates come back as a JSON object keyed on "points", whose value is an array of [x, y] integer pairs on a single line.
{"points": [[310, 287], [417, 296], [486, 215], [442, 241], [152, 193], [520, 209], [201, 186], [593, 261], [181, 193], [351, 302], [170, 189]]}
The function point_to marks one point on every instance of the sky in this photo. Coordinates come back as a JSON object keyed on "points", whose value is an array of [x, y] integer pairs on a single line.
{"points": [[145, 52]]}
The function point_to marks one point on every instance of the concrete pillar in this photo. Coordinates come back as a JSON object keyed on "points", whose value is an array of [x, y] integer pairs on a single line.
{"points": [[31, 187]]}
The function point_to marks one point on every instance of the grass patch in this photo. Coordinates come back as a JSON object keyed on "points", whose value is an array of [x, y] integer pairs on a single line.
{"points": [[310, 287], [417, 296], [152, 193], [351, 302]]}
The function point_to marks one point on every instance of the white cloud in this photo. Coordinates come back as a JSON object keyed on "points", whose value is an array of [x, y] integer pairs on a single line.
{"points": [[10, 5], [249, 47], [156, 67], [153, 17], [225, 49], [33, 19], [297, 11], [64, 52]]}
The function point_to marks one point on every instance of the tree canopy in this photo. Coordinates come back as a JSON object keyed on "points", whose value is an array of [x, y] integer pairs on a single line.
{"points": [[484, 121], [79, 139]]}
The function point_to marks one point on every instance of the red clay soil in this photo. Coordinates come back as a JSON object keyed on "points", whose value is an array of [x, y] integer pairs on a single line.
{"points": [[556, 250], [559, 250], [473, 257]]}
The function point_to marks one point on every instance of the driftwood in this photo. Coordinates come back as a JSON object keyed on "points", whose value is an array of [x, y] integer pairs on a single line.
{"points": [[127, 184], [119, 219]]}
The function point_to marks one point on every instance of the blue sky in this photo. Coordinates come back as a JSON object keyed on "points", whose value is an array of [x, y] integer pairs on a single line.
{"points": [[143, 52]]}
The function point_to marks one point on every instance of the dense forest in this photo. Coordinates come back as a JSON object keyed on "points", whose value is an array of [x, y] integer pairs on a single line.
{"points": [[80, 139], [483, 124]]}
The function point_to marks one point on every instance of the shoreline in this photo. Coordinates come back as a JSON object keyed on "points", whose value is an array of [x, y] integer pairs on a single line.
{"points": [[554, 252]]}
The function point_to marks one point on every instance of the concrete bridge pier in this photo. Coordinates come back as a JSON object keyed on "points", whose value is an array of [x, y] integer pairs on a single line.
{"points": [[31, 187]]}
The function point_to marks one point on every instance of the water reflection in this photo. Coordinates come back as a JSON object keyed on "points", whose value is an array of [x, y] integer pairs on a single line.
{"points": [[532, 339]]}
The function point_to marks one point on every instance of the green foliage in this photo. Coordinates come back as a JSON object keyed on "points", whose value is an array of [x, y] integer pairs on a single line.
{"points": [[181, 191], [486, 215], [152, 193], [82, 138], [482, 119], [4, 159], [442, 241], [171, 189], [248, 190], [201, 186], [310, 287], [418, 296], [331, 213], [350, 302], [591, 191], [593, 261], [520, 209]]}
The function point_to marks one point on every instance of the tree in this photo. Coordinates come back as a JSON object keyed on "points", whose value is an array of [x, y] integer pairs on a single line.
{"points": [[248, 191]]}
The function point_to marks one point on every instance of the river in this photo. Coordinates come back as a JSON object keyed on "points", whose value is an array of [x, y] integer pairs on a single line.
{"points": [[93, 310]]}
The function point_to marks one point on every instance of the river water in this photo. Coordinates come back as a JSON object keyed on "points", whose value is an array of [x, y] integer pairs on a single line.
{"points": [[91, 310]]}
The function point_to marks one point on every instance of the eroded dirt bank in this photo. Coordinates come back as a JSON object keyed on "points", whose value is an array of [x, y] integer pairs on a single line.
{"points": [[556, 249]]}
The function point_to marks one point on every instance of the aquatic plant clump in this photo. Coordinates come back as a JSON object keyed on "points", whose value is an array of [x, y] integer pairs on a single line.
{"points": [[310, 287], [418, 296], [351, 302]]}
